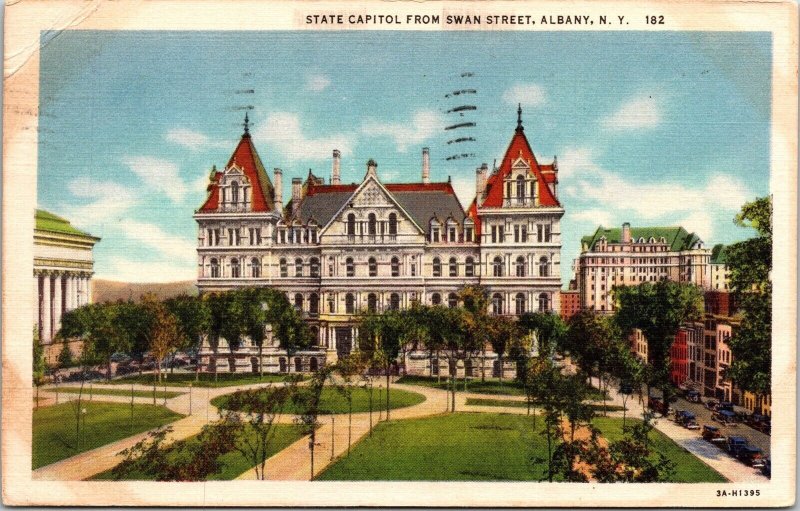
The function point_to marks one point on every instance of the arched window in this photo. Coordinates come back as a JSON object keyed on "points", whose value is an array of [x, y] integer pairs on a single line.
{"points": [[394, 301], [255, 268], [392, 223], [436, 299], [298, 302], [235, 192], [520, 187], [349, 303], [236, 270], [520, 266], [313, 303], [350, 267], [373, 267], [284, 268], [395, 267], [372, 224], [298, 365], [469, 267], [314, 267], [372, 302], [313, 364], [351, 224], [543, 269], [437, 267], [452, 300], [298, 267], [544, 302], [519, 302], [214, 268], [453, 267], [497, 304], [497, 266]]}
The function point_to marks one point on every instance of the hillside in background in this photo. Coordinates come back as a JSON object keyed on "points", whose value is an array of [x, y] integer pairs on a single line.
{"points": [[110, 291]]}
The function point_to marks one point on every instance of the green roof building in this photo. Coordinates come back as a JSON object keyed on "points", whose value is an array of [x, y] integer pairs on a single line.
{"points": [[629, 255], [719, 268]]}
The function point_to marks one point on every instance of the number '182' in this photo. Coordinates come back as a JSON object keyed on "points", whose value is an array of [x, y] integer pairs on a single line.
{"points": [[654, 20]]}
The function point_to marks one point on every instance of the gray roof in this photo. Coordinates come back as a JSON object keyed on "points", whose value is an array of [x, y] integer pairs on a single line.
{"points": [[422, 202]]}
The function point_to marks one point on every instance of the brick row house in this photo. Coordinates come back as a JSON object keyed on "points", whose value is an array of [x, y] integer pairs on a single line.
{"points": [[336, 248]]}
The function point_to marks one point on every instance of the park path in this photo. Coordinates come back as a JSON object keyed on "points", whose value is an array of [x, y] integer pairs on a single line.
{"points": [[294, 462], [89, 463]]}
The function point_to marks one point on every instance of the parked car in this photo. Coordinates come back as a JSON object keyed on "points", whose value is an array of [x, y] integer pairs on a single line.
{"points": [[678, 416], [750, 456], [688, 421], [120, 357], [766, 468], [713, 434], [725, 418], [693, 396], [735, 443], [711, 404], [726, 406]]}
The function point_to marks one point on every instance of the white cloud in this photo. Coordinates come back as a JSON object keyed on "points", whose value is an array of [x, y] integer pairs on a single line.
{"points": [[102, 200], [527, 94], [640, 112], [150, 235], [317, 82], [283, 131], [424, 125], [668, 201], [132, 270], [157, 174], [594, 217], [191, 139]]}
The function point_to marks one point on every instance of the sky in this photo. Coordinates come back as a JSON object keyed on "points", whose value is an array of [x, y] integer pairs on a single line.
{"points": [[651, 128]]}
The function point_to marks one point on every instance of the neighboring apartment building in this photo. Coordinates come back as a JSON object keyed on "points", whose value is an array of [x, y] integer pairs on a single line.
{"points": [[634, 255], [63, 266], [336, 249], [570, 303]]}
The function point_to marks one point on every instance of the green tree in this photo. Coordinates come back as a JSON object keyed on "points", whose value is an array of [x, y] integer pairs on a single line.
{"points": [[97, 325], [549, 328], [380, 339], [135, 320], [478, 327], [194, 319], [658, 310], [164, 333], [502, 333], [307, 398], [750, 264]]}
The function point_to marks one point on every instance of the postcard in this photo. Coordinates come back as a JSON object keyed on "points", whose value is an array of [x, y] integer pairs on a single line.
{"points": [[430, 254]]}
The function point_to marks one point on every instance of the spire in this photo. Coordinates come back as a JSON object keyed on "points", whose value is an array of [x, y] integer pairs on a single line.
{"points": [[246, 126], [519, 118]]}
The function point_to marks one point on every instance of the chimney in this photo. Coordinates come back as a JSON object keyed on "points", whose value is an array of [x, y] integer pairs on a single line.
{"points": [[626, 232], [335, 173], [372, 168], [480, 182], [297, 189], [278, 173], [426, 165]]}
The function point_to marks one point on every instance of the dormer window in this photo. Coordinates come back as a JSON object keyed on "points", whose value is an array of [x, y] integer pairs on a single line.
{"points": [[435, 231], [520, 188], [469, 230], [392, 224], [235, 192]]}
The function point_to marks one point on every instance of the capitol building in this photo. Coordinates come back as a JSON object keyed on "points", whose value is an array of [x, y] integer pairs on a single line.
{"points": [[337, 248]]}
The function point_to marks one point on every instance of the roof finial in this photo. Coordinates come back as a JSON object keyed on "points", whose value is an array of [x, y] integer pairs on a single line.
{"points": [[519, 118], [246, 125]]}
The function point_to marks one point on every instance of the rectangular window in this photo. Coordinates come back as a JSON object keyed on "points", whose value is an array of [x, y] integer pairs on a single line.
{"points": [[539, 233], [451, 234], [501, 233], [524, 235], [516, 234], [547, 233], [468, 234], [494, 234], [413, 269]]}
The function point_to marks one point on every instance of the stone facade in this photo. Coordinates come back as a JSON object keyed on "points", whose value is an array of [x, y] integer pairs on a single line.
{"points": [[336, 249], [63, 265]]}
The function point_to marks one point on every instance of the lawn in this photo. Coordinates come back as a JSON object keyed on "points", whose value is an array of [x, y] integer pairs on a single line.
{"points": [[233, 463], [598, 408], [54, 435], [332, 401], [510, 387], [452, 447], [688, 467], [477, 447], [160, 394], [205, 379]]}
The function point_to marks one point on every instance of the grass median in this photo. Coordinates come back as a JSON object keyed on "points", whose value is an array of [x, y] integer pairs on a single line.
{"points": [[474, 385], [205, 379], [513, 403], [54, 427], [332, 401], [95, 391]]}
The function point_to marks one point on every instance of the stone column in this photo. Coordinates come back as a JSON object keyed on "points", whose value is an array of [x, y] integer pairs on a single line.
{"points": [[47, 331], [89, 289], [71, 293], [58, 302]]}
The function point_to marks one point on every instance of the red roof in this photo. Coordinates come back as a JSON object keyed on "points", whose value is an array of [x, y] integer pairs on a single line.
{"points": [[519, 146], [314, 189], [246, 157]]}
